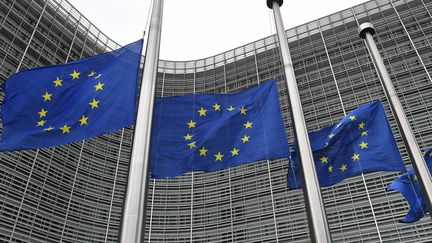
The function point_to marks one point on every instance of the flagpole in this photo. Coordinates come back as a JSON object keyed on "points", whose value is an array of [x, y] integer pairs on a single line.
{"points": [[31, 37], [134, 212], [366, 31], [311, 189]]}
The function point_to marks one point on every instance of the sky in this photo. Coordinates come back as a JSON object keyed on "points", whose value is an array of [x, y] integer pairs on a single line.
{"points": [[195, 29]]}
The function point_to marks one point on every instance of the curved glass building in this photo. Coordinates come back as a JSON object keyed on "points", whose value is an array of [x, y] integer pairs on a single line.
{"points": [[75, 193]]}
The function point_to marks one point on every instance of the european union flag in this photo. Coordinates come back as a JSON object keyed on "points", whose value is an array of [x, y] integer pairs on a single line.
{"points": [[209, 132], [60, 104], [408, 185], [361, 142]]}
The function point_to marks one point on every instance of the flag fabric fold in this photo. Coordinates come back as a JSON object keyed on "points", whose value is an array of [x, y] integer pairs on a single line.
{"points": [[210, 132], [408, 185], [59, 104], [362, 142]]}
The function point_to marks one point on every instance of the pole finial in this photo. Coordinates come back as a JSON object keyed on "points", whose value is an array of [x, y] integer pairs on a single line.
{"points": [[270, 3], [366, 28]]}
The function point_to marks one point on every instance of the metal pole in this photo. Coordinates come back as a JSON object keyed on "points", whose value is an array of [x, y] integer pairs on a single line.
{"points": [[311, 189], [31, 37], [344, 112], [366, 31], [133, 222]]}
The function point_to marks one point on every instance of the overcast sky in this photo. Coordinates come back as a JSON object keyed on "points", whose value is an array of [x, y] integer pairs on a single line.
{"points": [[194, 29]]}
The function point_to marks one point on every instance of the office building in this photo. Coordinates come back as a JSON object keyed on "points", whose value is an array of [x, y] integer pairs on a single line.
{"points": [[75, 192]]}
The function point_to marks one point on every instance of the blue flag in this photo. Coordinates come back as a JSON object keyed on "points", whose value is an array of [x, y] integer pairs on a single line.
{"points": [[209, 132], [409, 187], [60, 104], [361, 142]]}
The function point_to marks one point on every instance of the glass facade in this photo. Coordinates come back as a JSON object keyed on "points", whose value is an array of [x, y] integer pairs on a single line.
{"points": [[74, 193], [71, 193]]}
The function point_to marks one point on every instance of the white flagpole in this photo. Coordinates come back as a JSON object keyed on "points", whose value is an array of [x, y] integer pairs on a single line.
{"points": [[311, 189], [133, 221], [31, 37], [366, 31]]}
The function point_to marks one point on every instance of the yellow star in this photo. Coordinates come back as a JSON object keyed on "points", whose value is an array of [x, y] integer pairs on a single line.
{"points": [[430, 155], [83, 120], [188, 137], [415, 177], [191, 124], [65, 129], [98, 76], [248, 125], [324, 159], [352, 118], [47, 96], [242, 110], [234, 151], [203, 151], [363, 145], [231, 108], [192, 145], [202, 111], [94, 103], [356, 157], [75, 74], [92, 73], [331, 135], [327, 144], [42, 113], [362, 125], [58, 82], [330, 168], [364, 133], [41, 123], [219, 156], [99, 86], [49, 128], [245, 138], [216, 107], [343, 168]]}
